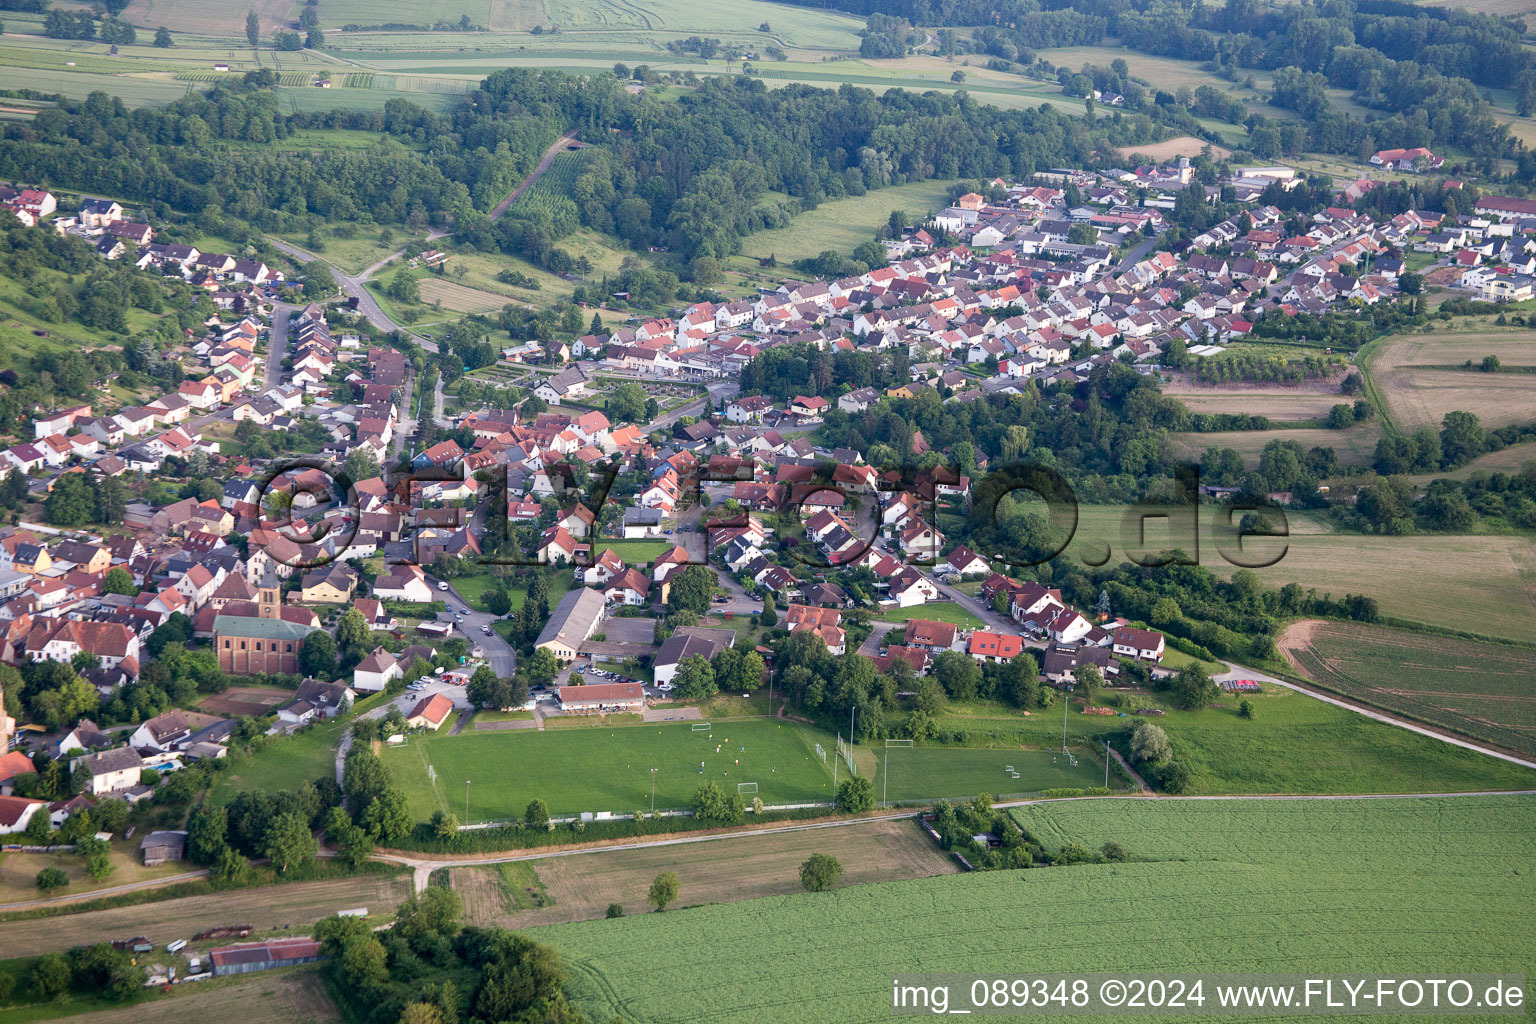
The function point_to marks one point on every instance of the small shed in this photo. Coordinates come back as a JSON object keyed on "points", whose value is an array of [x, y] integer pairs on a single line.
{"points": [[163, 848]]}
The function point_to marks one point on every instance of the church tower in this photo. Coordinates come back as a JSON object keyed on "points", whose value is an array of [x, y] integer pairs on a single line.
{"points": [[270, 596]]}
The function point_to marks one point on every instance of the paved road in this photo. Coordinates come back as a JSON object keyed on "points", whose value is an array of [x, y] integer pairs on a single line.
{"points": [[1135, 256], [277, 344], [502, 659]]}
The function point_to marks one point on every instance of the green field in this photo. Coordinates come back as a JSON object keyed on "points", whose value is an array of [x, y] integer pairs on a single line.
{"points": [[289, 762], [842, 224], [1389, 886], [1293, 744], [941, 612], [638, 553], [914, 772], [1478, 689], [609, 769]]}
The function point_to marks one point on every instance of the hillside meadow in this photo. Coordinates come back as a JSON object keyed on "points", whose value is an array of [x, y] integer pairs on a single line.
{"points": [[1394, 886]]}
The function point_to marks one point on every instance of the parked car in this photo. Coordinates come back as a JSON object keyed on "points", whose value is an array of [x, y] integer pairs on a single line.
{"points": [[442, 586]]}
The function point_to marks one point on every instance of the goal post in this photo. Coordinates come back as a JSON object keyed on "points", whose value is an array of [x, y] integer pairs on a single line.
{"points": [[821, 752], [701, 727], [747, 788], [432, 775], [891, 744]]}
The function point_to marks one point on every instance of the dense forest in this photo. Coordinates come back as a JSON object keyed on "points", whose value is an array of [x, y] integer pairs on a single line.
{"points": [[690, 174]]}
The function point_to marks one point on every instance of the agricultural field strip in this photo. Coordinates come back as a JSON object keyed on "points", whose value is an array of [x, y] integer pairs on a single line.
{"points": [[1494, 701], [1219, 913]]}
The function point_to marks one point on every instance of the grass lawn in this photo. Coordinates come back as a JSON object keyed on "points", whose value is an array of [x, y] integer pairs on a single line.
{"points": [[595, 769], [476, 586], [288, 762], [940, 612], [1293, 744], [925, 774], [1177, 660], [354, 248], [635, 552], [1412, 888], [18, 871]]}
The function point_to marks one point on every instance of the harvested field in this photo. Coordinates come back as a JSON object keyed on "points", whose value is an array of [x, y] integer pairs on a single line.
{"points": [[268, 909], [725, 871], [202, 17], [1418, 396], [1184, 145], [459, 298], [285, 997], [1482, 690], [1480, 584], [244, 700], [1309, 400], [1508, 460], [1355, 446]]}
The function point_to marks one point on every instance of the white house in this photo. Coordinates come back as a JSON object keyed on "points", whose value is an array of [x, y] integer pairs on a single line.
{"points": [[374, 672]]}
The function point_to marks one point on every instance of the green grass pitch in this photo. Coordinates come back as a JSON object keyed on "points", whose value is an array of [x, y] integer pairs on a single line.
{"points": [[609, 769], [931, 773]]}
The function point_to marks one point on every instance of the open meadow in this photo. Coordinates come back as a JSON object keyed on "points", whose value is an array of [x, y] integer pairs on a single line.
{"points": [[1481, 690], [587, 768], [1479, 584], [579, 888], [1293, 744], [841, 224], [1412, 375], [1394, 886]]}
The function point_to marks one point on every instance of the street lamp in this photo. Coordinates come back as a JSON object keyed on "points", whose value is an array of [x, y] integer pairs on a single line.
{"points": [[653, 792], [466, 801]]}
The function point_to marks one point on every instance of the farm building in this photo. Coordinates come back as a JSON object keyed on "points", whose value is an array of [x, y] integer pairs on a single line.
{"points": [[163, 847], [263, 956], [602, 697]]}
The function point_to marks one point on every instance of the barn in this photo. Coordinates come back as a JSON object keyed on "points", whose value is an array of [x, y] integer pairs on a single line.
{"points": [[263, 956]]}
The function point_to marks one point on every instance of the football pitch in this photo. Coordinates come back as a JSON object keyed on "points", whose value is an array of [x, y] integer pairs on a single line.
{"points": [[609, 769], [930, 773]]}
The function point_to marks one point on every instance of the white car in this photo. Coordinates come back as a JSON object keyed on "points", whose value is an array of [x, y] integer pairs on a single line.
{"points": [[442, 586]]}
